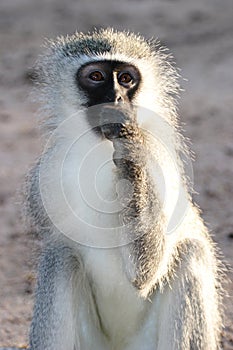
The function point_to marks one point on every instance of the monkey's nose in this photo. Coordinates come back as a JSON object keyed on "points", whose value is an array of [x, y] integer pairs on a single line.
{"points": [[121, 96], [119, 99]]}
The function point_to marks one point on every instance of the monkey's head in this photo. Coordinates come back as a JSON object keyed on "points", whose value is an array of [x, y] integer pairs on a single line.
{"points": [[106, 66]]}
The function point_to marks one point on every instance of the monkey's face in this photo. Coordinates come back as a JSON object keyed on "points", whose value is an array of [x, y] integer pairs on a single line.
{"points": [[108, 82]]}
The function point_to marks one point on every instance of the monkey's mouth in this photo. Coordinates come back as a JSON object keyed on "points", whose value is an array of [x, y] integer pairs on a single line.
{"points": [[116, 119]]}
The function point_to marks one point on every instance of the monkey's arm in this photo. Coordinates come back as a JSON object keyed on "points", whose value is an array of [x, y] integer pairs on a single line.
{"points": [[190, 315], [142, 215], [63, 304], [52, 326]]}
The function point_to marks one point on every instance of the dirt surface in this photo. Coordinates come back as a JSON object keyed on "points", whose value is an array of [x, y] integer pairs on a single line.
{"points": [[200, 34]]}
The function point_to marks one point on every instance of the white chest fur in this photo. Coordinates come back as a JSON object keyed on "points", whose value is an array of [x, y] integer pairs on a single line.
{"points": [[120, 308]]}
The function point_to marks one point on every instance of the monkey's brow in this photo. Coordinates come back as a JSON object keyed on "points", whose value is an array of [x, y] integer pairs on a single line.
{"points": [[86, 47]]}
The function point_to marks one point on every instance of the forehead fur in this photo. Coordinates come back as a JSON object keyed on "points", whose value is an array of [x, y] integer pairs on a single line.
{"points": [[101, 42]]}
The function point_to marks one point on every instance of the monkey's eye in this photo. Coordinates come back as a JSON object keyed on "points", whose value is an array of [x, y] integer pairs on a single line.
{"points": [[125, 79], [96, 76]]}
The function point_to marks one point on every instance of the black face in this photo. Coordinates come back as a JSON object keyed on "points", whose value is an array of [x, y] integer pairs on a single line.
{"points": [[108, 81]]}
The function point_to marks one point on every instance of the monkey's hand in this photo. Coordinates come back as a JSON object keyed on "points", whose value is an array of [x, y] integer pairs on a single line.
{"points": [[118, 124]]}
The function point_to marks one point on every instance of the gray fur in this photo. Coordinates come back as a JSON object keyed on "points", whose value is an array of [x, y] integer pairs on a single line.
{"points": [[158, 292]]}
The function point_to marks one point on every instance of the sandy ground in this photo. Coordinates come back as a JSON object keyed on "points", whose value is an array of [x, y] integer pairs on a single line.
{"points": [[200, 34]]}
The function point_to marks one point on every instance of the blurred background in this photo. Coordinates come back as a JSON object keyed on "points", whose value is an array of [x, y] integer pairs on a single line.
{"points": [[200, 35]]}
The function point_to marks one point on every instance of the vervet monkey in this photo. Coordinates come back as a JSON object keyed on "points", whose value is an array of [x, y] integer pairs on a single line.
{"points": [[117, 279]]}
